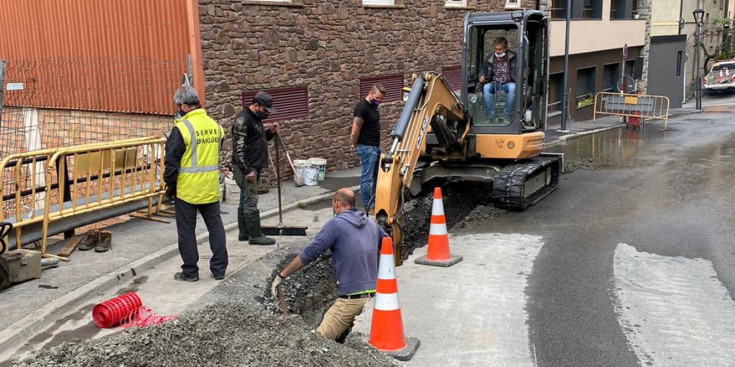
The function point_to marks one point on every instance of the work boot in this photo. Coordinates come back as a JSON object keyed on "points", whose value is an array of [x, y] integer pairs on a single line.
{"points": [[242, 225], [256, 235], [89, 241], [105, 243]]}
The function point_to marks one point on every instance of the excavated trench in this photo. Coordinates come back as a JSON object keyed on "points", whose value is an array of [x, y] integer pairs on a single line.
{"points": [[309, 292]]}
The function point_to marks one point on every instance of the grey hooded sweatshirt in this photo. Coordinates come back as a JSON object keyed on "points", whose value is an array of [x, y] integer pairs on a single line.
{"points": [[355, 244]]}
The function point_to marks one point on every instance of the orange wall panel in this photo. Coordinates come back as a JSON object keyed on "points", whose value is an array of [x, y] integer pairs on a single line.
{"points": [[108, 55]]}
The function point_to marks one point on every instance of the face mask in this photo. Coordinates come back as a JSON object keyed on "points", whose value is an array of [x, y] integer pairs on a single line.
{"points": [[374, 102], [261, 115], [500, 56]]}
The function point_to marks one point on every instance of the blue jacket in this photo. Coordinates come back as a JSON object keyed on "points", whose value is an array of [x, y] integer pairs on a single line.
{"points": [[355, 244]]}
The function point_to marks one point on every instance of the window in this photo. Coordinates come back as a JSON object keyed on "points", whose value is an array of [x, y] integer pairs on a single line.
{"points": [[290, 103], [610, 76], [556, 91], [558, 9], [378, 2], [513, 4], [617, 9], [453, 76], [275, 2], [456, 3], [592, 9], [679, 59], [393, 86], [585, 87]]}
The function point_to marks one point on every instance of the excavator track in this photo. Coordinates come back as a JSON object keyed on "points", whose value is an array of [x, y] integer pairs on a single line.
{"points": [[518, 186]]}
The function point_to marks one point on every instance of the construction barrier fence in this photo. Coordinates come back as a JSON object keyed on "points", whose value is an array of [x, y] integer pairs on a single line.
{"points": [[647, 107], [53, 184]]}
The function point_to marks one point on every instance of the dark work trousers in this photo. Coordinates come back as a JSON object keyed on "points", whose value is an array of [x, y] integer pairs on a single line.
{"points": [[186, 220]]}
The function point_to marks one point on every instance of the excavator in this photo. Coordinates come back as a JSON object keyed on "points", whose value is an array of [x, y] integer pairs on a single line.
{"points": [[447, 134]]}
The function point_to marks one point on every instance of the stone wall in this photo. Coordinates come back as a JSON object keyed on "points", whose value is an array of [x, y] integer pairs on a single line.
{"points": [[328, 46]]}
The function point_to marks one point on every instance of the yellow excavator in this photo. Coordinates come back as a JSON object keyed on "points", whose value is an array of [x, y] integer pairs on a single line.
{"points": [[446, 134]]}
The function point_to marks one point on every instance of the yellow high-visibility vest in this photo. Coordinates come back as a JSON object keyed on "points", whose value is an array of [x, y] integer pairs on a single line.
{"points": [[198, 179]]}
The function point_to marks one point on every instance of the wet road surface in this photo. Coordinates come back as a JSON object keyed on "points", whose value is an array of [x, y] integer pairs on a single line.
{"points": [[632, 239]]}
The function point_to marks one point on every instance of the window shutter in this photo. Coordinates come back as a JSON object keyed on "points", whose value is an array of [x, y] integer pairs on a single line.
{"points": [[393, 86], [453, 76], [290, 103]]}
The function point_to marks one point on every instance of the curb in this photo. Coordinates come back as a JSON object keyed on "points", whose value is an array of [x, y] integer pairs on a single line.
{"points": [[21, 331], [564, 138]]}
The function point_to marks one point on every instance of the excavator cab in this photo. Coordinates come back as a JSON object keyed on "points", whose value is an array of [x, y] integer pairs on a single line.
{"points": [[518, 105], [485, 132]]}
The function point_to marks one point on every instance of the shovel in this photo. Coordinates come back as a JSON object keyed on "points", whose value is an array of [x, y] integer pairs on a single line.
{"points": [[281, 230]]}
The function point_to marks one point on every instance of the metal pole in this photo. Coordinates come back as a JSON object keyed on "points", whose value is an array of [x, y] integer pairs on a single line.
{"points": [[2, 88], [565, 95], [699, 79]]}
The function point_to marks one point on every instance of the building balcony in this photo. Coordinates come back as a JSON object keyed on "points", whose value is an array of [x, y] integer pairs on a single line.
{"points": [[593, 35]]}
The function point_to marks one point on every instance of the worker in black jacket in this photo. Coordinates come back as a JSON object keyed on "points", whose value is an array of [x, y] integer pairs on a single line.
{"points": [[249, 158]]}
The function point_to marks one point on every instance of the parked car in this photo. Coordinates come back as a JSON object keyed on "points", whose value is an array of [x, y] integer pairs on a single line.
{"points": [[720, 78]]}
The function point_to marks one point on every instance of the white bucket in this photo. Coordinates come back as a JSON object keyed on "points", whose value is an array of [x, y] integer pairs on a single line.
{"points": [[300, 166], [321, 166], [311, 176]]}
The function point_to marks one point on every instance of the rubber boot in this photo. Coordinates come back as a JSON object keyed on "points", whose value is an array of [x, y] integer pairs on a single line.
{"points": [[256, 235], [242, 225]]}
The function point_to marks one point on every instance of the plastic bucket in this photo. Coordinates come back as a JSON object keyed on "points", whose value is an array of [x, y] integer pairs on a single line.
{"points": [[300, 166], [311, 176], [321, 166]]}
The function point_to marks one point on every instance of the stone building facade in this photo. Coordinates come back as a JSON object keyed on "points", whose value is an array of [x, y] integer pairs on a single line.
{"points": [[327, 47]]}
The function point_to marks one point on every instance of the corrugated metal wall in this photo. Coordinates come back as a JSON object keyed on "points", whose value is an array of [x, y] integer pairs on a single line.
{"points": [[108, 55]]}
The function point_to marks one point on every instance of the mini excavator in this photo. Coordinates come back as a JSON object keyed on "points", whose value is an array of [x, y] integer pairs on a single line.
{"points": [[447, 134]]}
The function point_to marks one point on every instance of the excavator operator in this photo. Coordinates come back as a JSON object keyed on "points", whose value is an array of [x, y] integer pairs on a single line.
{"points": [[497, 73]]}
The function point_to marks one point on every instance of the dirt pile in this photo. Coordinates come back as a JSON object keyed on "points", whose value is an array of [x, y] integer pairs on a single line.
{"points": [[218, 335], [464, 202], [572, 164]]}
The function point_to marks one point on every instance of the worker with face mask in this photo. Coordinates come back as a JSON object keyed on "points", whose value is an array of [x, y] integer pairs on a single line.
{"points": [[365, 141], [249, 158], [498, 73]]}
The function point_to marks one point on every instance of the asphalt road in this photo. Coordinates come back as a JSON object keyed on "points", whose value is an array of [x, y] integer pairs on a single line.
{"points": [[637, 266]]}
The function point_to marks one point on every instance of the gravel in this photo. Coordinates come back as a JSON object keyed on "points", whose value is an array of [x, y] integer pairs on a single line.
{"points": [[223, 334]]}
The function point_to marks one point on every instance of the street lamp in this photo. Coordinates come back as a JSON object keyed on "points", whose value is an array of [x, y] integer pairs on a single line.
{"points": [[698, 16]]}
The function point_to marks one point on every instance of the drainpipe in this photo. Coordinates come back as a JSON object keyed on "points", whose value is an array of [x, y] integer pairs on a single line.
{"points": [[681, 16]]}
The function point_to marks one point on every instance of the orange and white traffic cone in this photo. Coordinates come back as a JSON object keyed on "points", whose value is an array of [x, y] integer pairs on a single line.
{"points": [[386, 330], [438, 248]]}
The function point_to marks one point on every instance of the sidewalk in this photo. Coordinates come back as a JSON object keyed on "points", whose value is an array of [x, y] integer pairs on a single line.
{"points": [[138, 247], [145, 256], [555, 136]]}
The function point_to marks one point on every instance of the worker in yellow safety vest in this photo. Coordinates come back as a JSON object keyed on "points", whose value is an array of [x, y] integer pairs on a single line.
{"points": [[192, 177]]}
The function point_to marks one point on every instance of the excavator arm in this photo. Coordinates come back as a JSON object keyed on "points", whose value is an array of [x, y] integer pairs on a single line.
{"points": [[432, 106]]}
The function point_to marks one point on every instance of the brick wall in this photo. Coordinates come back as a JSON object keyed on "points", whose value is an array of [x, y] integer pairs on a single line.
{"points": [[328, 46]]}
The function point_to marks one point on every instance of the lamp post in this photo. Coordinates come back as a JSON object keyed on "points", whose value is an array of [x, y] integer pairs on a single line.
{"points": [[698, 15], [565, 95]]}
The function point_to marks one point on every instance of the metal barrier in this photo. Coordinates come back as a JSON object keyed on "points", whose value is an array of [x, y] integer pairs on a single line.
{"points": [[632, 105], [78, 180]]}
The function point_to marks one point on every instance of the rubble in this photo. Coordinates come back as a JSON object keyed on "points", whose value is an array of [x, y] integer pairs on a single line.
{"points": [[223, 334], [459, 209]]}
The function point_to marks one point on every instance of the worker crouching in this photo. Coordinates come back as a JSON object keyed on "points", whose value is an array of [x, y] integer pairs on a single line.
{"points": [[354, 242]]}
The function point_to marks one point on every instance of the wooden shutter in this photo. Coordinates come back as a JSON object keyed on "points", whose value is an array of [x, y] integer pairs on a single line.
{"points": [[393, 86], [290, 103], [453, 76]]}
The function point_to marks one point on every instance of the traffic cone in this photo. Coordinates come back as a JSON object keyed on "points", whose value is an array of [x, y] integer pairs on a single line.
{"points": [[386, 330], [438, 247]]}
